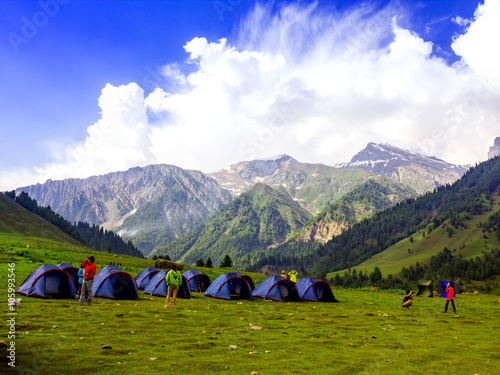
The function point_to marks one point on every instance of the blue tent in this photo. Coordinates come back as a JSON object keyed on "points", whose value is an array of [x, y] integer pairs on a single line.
{"points": [[277, 288], [314, 289], [71, 269], [443, 288], [158, 286], [145, 276], [112, 282], [48, 281], [231, 285], [198, 281]]}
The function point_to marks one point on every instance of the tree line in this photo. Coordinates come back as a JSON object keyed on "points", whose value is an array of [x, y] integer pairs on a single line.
{"points": [[442, 266], [469, 195], [92, 236]]}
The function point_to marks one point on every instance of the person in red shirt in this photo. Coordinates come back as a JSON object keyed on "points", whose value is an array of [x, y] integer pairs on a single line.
{"points": [[450, 297], [89, 272]]}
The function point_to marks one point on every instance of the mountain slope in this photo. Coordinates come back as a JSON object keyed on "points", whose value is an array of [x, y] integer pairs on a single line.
{"points": [[18, 220], [421, 173], [468, 196], [150, 206], [465, 238], [364, 201], [313, 186], [260, 218]]}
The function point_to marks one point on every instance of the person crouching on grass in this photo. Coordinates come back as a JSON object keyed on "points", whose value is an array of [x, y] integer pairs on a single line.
{"points": [[173, 280], [407, 299]]}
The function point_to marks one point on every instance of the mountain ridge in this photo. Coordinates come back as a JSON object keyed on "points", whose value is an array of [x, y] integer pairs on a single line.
{"points": [[256, 219], [403, 165], [154, 205]]}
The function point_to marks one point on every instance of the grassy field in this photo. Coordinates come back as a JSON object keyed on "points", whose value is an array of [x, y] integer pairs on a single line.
{"points": [[367, 332]]}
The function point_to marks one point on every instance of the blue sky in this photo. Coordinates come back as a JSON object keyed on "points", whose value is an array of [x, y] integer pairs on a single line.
{"points": [[91, 87]]}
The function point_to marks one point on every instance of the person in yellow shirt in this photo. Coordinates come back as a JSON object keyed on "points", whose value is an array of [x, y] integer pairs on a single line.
{"points": [[292, 275]]}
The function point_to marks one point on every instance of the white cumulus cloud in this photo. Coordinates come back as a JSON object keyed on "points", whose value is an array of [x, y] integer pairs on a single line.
{"points": [[306, 81]]}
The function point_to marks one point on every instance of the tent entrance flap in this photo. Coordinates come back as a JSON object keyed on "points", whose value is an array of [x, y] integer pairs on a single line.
{"points": [[123, 287], [56, 286], [237, 290]]}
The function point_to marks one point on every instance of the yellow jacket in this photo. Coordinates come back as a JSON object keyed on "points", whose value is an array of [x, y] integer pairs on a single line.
{"points": [[293, 275]]}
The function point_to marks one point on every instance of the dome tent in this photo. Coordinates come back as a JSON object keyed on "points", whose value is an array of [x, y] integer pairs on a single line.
{"points": [[48, 281], [198, 281], [71, 269], [231, 285], [277, 288], [314, 289], [158, 286], [425, 288], [112, 282], [145, 276]]}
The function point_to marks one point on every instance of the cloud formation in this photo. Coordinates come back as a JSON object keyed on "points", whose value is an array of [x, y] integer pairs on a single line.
{"points": [[306, 81]]}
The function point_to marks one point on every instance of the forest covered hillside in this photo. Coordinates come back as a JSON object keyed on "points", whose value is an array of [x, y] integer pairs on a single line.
{"points": [[470, 196]]}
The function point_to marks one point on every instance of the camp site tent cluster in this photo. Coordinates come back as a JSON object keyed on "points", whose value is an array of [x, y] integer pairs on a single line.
{"points": [[234, 285], [49, 281]]}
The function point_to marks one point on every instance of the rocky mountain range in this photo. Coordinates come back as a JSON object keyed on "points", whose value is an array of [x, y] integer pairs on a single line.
{"points": [[312, 185], [156, 204], [421, 173], [150, 206], [266, 217], [255, 220]]}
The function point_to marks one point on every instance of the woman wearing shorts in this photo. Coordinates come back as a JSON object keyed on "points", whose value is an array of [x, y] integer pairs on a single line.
{"points": [[173, 280]]}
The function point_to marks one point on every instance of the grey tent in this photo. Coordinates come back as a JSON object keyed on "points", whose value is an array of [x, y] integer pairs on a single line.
{"points": [[425, 288]]}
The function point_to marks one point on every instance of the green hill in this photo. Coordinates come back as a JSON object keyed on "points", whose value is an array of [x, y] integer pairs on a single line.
{"points": [[16, 219], [470, 196], [363, 201], [260, 218], [467, 240]]}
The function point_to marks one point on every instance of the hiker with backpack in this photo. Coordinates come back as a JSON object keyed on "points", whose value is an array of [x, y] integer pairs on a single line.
{"points": [[450, 297], [173, 280]]}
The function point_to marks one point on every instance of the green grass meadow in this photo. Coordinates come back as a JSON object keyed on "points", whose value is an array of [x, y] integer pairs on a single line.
{"points": [[367, 332]]}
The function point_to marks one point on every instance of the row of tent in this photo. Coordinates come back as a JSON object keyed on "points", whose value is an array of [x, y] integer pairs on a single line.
{"points": [[234, 285], [50, 281]]}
